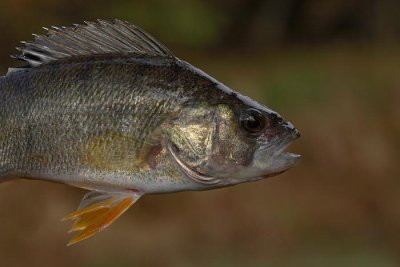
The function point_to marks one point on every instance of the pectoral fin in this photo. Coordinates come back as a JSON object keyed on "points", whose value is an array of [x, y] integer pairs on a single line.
{"points": [[97, 211]]}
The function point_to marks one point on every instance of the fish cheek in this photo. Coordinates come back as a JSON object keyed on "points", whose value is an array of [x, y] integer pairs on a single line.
{"points": [[232, 151]]}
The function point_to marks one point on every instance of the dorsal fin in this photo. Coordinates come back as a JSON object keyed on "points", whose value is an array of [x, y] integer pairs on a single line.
{"points": [[101, 37]]}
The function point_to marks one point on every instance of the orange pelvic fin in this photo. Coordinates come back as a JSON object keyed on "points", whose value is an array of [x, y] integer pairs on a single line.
{"points": [[97, 211]]}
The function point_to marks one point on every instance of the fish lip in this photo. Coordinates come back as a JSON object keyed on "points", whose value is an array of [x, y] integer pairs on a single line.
{"points": [[296, 134], [291, 160], [294, 158]]}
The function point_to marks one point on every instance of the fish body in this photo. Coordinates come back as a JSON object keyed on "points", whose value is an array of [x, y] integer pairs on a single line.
{"points": [[93, 122], [105, 107]]}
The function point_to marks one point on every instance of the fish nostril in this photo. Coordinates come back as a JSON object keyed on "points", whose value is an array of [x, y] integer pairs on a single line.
{"points": [[277, 120]]}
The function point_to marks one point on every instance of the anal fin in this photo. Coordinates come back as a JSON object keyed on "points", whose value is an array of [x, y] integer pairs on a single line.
{"points": [[97, 211]]}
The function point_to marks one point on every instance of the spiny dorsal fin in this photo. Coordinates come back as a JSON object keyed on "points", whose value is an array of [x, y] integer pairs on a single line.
{"points": [[101, 37]]}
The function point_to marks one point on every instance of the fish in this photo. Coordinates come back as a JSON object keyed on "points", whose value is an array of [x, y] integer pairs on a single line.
{"points": [[106, 107]]}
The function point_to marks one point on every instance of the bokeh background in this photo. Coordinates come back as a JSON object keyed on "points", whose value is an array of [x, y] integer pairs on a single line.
{"points": [[331, 67]]}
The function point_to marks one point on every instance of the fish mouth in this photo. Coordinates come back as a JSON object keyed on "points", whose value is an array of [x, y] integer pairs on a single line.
{"points": [[281, 159], [292, 159]]}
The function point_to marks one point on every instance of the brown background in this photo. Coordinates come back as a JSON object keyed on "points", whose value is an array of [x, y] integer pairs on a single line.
{"points": [[331, 67]]}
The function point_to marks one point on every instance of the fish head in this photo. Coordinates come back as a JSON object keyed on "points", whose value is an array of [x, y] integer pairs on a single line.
{"points": [[229, 143]]}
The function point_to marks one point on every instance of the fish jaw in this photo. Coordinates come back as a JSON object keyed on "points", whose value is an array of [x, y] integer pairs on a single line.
{"points": [[271, 158], [278, 163]]}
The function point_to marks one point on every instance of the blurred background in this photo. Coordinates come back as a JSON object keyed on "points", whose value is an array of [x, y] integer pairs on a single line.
{"points": [[331, 67]]}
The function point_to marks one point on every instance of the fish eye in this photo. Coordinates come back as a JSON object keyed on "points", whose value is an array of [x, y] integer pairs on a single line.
{"points": [[252, 121]]}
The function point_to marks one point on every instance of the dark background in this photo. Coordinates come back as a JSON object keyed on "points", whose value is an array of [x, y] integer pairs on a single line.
{"points": [[331, 67]]}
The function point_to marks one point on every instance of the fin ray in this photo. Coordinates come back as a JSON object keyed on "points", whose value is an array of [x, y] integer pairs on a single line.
{"points": [[87, 219], [97, 211], [88, 210], [101, 37]]}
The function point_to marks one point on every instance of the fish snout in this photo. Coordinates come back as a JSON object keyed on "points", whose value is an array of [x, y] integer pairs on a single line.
{"points": [[295, 133], [283, 127]]}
